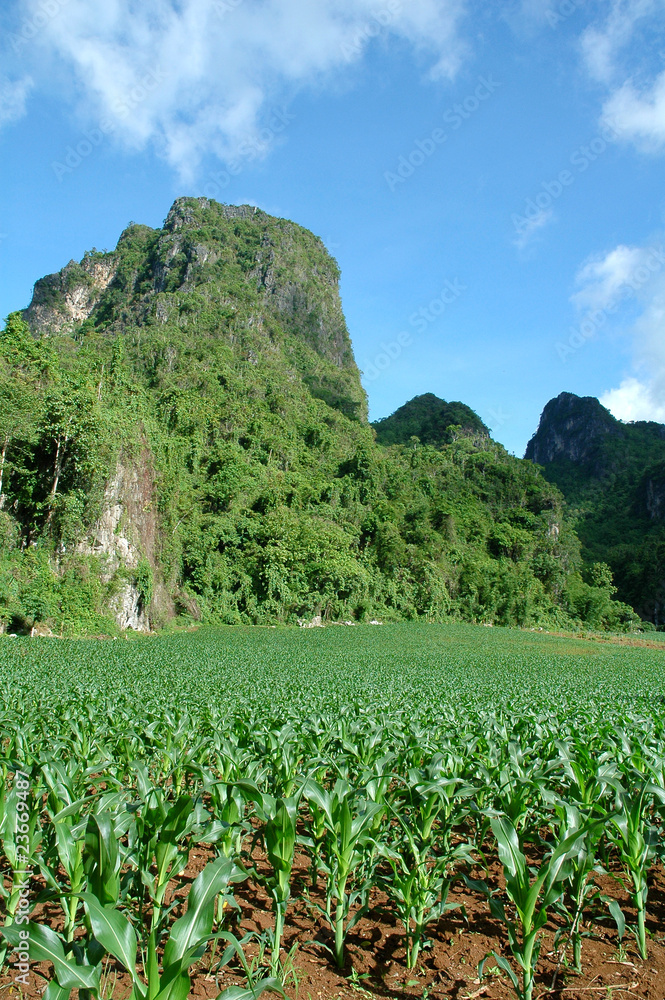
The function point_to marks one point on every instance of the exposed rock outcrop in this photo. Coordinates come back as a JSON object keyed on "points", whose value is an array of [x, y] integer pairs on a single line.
{"points": [[652, 493], [63, 300], [571, 427], [125, 537]]}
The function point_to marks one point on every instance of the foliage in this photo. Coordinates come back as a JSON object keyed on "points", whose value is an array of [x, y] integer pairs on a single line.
{"points": [[216, 369], [431, 420], [612, 475]]}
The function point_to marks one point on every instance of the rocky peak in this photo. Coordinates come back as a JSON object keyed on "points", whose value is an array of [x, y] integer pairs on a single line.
{"points": [[186, 213], [228, 253], [62, 301], [572, 427]]}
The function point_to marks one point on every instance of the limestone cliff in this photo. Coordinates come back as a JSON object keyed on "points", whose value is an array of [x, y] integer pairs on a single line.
{"points": [[263, 287], [612, 474], [573, 428], [62, 301], [125, 540]]}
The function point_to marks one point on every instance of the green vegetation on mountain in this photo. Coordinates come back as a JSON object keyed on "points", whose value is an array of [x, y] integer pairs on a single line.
{"points": [[431, 420], [184, 432], [613, 477]]}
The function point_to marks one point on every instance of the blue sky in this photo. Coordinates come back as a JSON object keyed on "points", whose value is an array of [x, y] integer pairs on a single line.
{"points": [[488, 175]]}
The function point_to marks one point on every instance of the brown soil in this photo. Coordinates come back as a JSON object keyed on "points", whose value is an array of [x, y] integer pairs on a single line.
{"points": [[612, 639], [376, 959]]}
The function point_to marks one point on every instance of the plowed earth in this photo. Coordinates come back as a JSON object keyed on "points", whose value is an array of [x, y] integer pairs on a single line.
{"points": [[376, 957]]}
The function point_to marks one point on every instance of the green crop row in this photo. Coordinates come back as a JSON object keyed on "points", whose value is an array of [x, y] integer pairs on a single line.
{"points": [[401, 759]]}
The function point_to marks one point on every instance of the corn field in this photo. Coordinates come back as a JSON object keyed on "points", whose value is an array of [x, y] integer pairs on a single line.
{"points": [[401, 761]]}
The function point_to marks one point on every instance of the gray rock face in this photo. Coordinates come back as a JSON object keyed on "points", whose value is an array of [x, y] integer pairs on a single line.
{"points": [[181, 214], [129, 609], [126, 533], [314, 309], [653, 494], [61, 301], [571, 427], [656, 501]]}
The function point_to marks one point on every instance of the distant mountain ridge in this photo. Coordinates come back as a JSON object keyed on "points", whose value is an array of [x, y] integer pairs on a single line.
{"points": [[613, 476]]}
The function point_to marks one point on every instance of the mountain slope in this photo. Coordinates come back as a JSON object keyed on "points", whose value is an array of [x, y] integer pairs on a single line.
{"points": [[183, 432], [430, 419], [613, 476]]}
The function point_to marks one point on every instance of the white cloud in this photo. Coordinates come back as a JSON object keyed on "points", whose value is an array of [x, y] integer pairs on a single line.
{"points": [[220, 66], [620, 273], [530, 228], [635, 400], [640, 272], [622, 54], [602, 44], [13, 97], [639, 117], [525, 17]]}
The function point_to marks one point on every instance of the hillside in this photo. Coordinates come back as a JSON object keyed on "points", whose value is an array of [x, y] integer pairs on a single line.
{"points": [[613, 476], [184, 436], [431, 420]]}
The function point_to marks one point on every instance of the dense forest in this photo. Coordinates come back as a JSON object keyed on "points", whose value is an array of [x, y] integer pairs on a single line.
{"points": [[431, 420], [184, 437]]}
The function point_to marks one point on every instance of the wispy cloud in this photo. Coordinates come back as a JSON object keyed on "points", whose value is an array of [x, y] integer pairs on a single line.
{"points": [[604, 43], [640, 115], [13, 98], [605, 280], [224, 62], [621, 53]]}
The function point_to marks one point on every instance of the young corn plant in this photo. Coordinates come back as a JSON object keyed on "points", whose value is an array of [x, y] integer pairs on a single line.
{"points": [[283, 753], [278, 818], [423, 858], [346, 844], [101, 857], [158, 850], [587, 778], [531, 892], [582, 890], [637, 838], [114, 935], [227, 807], [68, 859], [314, 841]]}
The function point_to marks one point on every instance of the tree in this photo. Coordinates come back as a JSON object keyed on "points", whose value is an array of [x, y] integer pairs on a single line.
{"points": [[20, 390]]}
